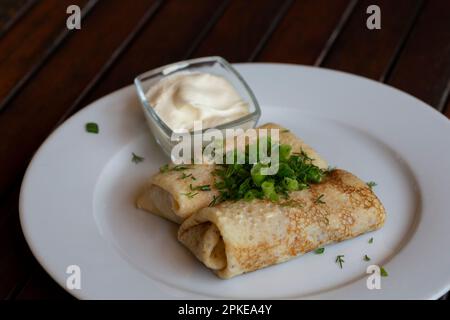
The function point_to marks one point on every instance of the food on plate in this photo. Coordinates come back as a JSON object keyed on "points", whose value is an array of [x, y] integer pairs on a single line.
{"points": [[177, 191], [185, 97], [236, 237], [236, 219]]}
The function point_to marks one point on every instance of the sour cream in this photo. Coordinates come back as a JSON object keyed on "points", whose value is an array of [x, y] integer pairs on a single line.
{"points": [[183, 98]]}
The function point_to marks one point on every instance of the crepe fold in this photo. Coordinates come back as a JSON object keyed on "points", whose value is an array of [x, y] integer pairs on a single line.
{"points": [[169, 194], [238, 237]]}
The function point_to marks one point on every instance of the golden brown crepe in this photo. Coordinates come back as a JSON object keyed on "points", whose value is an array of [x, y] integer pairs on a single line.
{"points": [[237, 237], [167, 194]]}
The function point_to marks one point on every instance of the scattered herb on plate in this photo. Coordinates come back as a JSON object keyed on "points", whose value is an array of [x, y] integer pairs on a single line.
{"points": [[135, 158], [366, 258], [383, 272], [340, 260], [371, 184], [92, 127], [371, 240], [319, 250]]}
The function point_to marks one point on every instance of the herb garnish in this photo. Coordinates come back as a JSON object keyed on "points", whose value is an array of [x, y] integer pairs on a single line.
{"points": [[184, 176], [319, 251], [319, 199], [247, 181], [383, 272], [190, 194], [285, 131], [371, 240], [92, 127], [136, 159], [205, 187], [366, 258], [165, 168], [340, 260], [371, 184]]}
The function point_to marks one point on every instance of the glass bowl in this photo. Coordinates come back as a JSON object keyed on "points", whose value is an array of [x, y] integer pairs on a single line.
{"points": [[213, 65]]}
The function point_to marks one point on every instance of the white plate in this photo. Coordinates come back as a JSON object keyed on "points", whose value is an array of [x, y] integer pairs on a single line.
{"points": [[77, 198]]}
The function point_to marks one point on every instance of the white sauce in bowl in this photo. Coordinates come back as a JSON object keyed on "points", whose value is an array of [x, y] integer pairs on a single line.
{"points": [[183, 98]]}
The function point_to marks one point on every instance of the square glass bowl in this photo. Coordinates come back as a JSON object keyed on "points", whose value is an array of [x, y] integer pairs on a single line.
{"points": [[213, 65]]}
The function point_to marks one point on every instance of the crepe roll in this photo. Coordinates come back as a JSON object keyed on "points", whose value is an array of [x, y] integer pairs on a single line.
{"points": [[233, 238], [169, 194]]}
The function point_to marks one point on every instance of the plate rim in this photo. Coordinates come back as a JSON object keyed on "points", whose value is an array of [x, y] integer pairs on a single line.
{"points": [[22, 215]]}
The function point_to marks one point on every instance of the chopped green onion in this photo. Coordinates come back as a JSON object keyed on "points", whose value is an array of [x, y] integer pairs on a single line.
{"points": [[268, 188], [92, 127], [284, 152], [371, 184], [290, 184], [135, 158], [340, 260]]}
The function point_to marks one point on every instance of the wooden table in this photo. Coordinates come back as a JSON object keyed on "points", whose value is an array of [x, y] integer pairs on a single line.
{"points": [[49, 72]]}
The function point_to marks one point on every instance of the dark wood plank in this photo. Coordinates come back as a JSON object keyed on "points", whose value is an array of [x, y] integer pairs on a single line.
{"points": [[304, 32], [9, 10], [25, 47], [423, 68], [182, 21], [243, 29], [14, 255], [32, 115], [41, 286], [169, 37], [370, 52]]}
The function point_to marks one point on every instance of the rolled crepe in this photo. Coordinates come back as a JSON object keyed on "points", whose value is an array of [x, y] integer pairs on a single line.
{"points": [[167, 194], [238, 237]]}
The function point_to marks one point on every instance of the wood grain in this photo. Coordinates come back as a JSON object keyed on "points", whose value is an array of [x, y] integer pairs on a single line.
{"points": [[184, 24], [15, 255], [27, 44], [243, 29], [423, 68], [303, 33]]}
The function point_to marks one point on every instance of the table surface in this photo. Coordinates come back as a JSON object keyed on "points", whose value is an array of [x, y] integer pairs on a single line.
{"points": [[49, 72]]}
